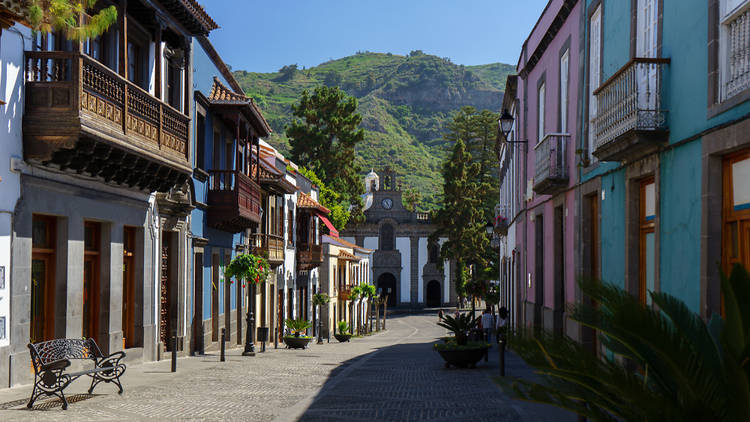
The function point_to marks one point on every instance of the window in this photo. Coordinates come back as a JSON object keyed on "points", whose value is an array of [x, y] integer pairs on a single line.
{"points": [[595, 30], [290, 228], [734, 42], [564, 73], [540, 112], [433, 253], [200, 145]]}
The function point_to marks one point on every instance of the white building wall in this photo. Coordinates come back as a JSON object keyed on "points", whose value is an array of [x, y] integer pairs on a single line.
{"points": [[289, 269], [403, 245], [447, 274], [13, 42], [371, 243], [422, 261]]}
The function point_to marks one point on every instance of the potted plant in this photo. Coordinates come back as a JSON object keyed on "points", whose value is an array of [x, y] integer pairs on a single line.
{"points": [[460, 352], [248, 269], [343, 334], [297, 340], [501, 225], [369, 291]]}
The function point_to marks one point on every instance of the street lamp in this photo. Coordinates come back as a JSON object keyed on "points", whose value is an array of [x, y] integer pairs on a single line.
{"points": [[506, 123], [489, 228]]}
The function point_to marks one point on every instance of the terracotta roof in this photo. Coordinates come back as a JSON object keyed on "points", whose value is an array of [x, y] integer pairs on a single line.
{"points": [[14, 6], [192, 14], [305, 201], [12, 11], [221, 95], [352, 245], [347, 256]]}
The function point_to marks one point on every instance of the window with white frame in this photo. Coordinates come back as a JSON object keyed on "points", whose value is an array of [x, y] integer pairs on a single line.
{"points": [[595, 43], [734, 47], [564, 61], [540, 112]]}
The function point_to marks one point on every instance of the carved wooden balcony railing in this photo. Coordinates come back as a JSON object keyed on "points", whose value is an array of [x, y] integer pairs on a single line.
{"points": [[309, 256], [269, 245], [81, 115], [233, 201], [630, 121], [551, 163]]}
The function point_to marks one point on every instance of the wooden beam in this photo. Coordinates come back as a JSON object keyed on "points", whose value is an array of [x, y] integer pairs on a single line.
{"points": [[123, 24]]}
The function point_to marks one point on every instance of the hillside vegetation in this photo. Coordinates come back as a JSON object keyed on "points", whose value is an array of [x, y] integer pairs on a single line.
{"points": [[405, 102]]}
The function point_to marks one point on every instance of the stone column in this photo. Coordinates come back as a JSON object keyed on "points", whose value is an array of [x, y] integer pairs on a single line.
{"points": [[110, 322], [414, 276], [73, 311]]}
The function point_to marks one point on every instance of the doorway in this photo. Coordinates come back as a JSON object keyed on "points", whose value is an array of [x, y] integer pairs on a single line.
{"points": [[539, 272], [433, 294], [43, 241], [215, 297], [736, 212], [91, 288], [128, 288], [198, 303], [387, 283]]}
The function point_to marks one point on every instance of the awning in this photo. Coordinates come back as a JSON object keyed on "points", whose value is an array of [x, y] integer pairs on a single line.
{"points": [[328, 224]]}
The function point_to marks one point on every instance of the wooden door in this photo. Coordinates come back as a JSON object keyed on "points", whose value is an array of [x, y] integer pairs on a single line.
{"points": [[215, 297], [91, 289], [42, 298], [647, 241], [128, 288]]}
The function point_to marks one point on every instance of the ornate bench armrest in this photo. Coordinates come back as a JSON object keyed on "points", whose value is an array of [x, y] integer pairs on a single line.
{"points": [[111, 360]]}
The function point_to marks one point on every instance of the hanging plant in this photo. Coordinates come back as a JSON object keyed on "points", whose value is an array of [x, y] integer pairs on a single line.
{"points": [[248, 268]]}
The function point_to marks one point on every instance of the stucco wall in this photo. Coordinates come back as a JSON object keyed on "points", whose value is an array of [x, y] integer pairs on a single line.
{"points": [[613, 228], [403, 244], [680, 223], [421, 261]]}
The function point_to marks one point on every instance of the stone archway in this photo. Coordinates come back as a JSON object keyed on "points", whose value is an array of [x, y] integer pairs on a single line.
{"points": [[388, 281], [432, 299]]}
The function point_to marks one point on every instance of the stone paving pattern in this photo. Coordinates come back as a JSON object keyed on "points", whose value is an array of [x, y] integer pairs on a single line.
{"points": [[391, 376]]}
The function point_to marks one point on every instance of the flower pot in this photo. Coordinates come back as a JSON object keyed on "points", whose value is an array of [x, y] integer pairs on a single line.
{"points": [[297, 342], [342, 337], [463, 358]]}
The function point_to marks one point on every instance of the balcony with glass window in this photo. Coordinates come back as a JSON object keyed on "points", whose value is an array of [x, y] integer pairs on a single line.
{"points": [[551, 164], [631, 121], [270, 246], [233, 201]]}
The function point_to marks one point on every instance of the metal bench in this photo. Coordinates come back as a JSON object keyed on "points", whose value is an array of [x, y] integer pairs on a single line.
{"points": [[50, 360]]}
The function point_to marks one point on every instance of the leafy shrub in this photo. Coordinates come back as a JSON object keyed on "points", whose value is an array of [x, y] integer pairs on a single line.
{"points": [[343, 327], [298, 326]]}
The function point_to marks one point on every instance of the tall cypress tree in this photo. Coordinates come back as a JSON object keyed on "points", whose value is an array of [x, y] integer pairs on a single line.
{"points": [[461, 218]]}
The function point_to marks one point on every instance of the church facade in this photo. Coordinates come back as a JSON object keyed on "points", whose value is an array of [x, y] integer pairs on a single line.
{"points": [[405, 264]]}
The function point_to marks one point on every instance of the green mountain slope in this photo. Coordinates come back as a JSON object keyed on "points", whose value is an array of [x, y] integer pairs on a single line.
{"points": [[405, 102]]}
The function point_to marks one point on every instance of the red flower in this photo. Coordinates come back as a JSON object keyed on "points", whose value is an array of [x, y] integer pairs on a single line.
{"points": [[243, 286]]}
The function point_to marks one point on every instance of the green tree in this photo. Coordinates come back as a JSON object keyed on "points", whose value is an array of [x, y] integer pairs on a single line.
{"points": [[670, 364], [478, 130], [323, 135], [412, 198], [330, 199], [288, 72], [332, 78], [460, 218], [63, 15]]}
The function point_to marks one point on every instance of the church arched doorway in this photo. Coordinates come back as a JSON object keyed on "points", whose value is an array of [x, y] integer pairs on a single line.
{"points": [[388, 281], [433, 294]]}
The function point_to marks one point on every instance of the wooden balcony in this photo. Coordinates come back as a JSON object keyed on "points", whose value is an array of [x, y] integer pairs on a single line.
{"points": [[309, 256], [551, 163], [233, 201], [81, 116], [630, 121], [270, 246]]}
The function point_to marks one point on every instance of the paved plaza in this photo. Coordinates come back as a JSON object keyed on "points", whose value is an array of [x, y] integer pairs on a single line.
{"points": [[391, 376]]}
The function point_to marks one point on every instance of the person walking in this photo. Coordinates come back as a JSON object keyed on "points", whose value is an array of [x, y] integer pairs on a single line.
{"points": [[488, 324], [502, 322]]}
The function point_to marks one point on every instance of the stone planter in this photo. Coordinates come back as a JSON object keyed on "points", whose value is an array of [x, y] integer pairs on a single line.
{"points": [[297, 342], [342, 337], [465, 358]]}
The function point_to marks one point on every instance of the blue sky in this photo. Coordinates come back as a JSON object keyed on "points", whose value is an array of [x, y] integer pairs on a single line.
{"points": [[263, 36]]}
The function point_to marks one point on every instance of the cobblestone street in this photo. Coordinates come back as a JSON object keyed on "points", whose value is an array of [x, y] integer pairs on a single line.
{"points": [[393, 376]]}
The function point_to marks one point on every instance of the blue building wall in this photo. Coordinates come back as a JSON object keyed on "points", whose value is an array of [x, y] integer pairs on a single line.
{"points": [[612, 233], [204, 71], [680, 224]]}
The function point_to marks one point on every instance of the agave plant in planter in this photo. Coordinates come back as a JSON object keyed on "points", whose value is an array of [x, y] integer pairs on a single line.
{"points": [[343, 333], [297, 340], [459, 351]]}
